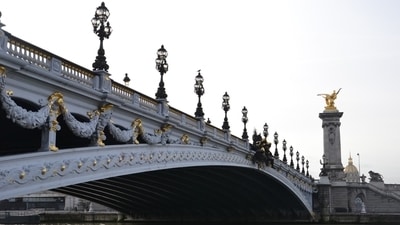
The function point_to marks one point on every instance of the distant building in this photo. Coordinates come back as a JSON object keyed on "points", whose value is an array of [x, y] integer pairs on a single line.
{"points": [[351, 172], [50, 201], [41, 201]]}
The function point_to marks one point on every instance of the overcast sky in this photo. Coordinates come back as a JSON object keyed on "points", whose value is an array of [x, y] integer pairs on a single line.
{"points": [[273, 57]]}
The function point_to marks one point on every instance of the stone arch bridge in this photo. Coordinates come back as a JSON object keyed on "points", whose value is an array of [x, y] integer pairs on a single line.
{"points": [[76, 131]]}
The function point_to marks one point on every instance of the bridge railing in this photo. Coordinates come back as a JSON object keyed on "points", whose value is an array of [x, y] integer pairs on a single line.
{"points": [[76, 73], [122, 91], [41, 58], [28, 52], [34, 55]]}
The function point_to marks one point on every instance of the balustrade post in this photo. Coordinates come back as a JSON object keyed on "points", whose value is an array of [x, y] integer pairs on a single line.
{"points": [[227, 135], [163, 108], [102, 81], [136, 100], [201, 124], [55, 66], [3, 37]]}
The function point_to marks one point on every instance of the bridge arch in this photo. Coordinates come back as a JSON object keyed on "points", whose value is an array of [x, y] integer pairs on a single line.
{"points": [[157, 181]]}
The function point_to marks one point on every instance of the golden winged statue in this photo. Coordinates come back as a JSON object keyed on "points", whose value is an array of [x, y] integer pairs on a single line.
{"points": [[330, 99]]}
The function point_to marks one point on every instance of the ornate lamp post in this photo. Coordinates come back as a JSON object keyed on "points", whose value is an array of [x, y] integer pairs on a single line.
{"points": [[126, 80], [162, 67], [245, 136], [265, 131], [359, 165], [199, 90], [225, 107], [302, 164], [103, 30], [276, 141], [307, 166], [297, 159], [291, 157], [284, 151]]}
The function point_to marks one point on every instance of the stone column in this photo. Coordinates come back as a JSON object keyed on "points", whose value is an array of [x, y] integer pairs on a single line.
{"points": [[332, 151]]}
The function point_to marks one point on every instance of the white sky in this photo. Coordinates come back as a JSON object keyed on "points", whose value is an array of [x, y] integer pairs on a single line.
{"points": [[273, 57]]}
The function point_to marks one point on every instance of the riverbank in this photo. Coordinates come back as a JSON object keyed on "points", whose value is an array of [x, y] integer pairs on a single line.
{"points": [[363, 218], [19, 217], [339, 218], [112, 217], [72, 216]]}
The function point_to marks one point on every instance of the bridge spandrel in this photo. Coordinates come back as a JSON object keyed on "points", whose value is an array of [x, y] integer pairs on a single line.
{"points": [[29, 171]]}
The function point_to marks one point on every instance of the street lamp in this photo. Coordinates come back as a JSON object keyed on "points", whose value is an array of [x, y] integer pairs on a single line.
{"points": [[162, 67], [265, 131], [284, 151], [245, 136], [126, 80], [291, 157], [359, 166], [199, 90], [225, 107], [297, 159], [276, 141], [103, 30]]}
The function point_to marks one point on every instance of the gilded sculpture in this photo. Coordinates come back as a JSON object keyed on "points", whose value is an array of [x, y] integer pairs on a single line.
{"points": [[330, 99], [137, 128], [47, 117]]}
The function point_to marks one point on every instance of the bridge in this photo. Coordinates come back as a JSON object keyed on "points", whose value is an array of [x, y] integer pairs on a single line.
{"points": [[76, 131]]}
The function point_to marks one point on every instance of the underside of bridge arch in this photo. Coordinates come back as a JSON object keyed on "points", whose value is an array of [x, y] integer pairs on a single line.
{"points": [[16, 139], [196, 193]]}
